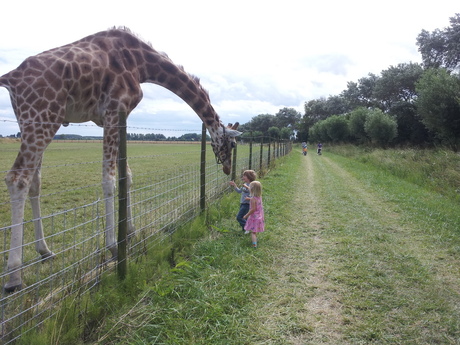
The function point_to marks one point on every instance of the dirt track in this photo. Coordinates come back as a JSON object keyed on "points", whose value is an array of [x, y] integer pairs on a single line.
{"points": [[306, 309], [310, 277]]}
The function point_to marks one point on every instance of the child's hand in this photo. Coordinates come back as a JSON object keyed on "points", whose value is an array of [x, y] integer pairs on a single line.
{"points": [[233, 184]]}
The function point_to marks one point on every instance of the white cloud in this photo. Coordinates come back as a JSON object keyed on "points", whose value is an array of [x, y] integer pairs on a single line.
{"points": [[254, 57]]}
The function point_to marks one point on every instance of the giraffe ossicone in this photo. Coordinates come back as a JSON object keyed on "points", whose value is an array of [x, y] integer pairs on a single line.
{"points": [[92, 79]]}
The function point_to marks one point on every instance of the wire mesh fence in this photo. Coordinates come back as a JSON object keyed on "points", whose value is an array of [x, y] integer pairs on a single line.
{"points": [[165, 194]]}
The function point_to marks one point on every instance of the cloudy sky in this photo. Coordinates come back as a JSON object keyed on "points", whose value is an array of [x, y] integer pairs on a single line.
{"points": [[254, 57]]}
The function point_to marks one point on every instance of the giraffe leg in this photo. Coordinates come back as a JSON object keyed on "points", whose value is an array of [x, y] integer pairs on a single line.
{"points": [[19, 180], [34, 193], [18, 186], [110, 151]]}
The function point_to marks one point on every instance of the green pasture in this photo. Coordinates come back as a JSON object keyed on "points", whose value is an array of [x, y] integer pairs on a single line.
{"points": [[165, 193], [362, 247], [72, 172]]}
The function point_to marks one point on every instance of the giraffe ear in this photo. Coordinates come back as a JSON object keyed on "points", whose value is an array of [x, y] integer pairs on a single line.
{"points": [[233, 126]]}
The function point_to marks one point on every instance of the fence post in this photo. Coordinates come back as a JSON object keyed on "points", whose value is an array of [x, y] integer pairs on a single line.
{"points": [[250, 151], [122, 197], [269, 150], [234, 162], [203, 169], [261, 154]]}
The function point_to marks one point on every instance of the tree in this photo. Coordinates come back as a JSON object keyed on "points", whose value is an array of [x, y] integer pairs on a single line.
{"points": [[256, 136], [366, 87], [318, 132], [260, 123], [303, 128], [316, 110], [190, 137], [351, 96], [381, 128], [441, 48], [287, 117], [274, 132], [336, 105], [410, 126], [397, 84], [439, 105], [396, 93], [337, 128], [286, 133], [313, 133], [356, 124]]}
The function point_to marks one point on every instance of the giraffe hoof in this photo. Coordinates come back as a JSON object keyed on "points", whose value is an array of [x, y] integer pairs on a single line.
{"points": [[12, 288], [48, 256]]}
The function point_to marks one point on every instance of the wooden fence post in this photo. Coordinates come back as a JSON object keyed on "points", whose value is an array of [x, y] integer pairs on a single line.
{"points": [[269, 154], [250, 151], [261, 154], [234, 162], [122, 197], [203, 169]]}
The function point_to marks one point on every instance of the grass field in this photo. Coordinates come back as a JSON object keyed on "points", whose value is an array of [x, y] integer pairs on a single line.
{"points": [[361, 247], [165, 194], [352, 255], [74, 170]]}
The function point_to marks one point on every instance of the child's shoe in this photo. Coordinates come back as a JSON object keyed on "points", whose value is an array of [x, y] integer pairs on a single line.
{"points": [[254, 244]]}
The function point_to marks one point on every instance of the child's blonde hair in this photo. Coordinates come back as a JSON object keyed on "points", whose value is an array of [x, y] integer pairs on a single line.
{"points": [[250, 174], [256, 188]]}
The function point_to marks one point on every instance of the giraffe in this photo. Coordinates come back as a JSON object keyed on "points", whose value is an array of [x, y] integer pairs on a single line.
{"points": [[92, 79]]}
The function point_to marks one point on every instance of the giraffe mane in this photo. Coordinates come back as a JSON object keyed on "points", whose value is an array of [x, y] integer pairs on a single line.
{"points": [[192, 76]]}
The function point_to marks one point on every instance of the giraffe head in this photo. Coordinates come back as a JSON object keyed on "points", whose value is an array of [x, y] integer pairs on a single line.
{"points": [[222, 144]]}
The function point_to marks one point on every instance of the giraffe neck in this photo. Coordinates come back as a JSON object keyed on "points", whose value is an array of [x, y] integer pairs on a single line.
{"points": [[162, 71]]}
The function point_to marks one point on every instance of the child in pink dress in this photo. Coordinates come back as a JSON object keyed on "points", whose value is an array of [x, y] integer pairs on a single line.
{"points": [[255, 217]]}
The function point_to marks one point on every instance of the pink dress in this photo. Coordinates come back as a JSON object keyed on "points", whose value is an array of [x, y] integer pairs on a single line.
{"points": [[256, 221]]}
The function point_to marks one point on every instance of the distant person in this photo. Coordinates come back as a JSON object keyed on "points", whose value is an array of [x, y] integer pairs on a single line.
{"points": [[255, 217], [304, 148], [320, 148], [247, 177]]}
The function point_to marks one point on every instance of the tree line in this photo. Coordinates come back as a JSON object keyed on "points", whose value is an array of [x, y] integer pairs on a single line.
{"points": [[161, 137], [407, 104]]}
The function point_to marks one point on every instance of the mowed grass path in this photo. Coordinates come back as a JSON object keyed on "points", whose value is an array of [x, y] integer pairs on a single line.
{"points": [[356, 256], [351, 255]]}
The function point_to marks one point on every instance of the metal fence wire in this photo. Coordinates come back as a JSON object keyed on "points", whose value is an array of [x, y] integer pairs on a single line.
{"points": [[161, 200]]}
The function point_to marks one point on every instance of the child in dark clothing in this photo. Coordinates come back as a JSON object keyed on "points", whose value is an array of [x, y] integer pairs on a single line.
{"points": [[248, 177]]}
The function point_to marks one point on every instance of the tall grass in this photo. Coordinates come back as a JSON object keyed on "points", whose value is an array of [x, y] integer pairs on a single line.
{"points": [[437, 169]]}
